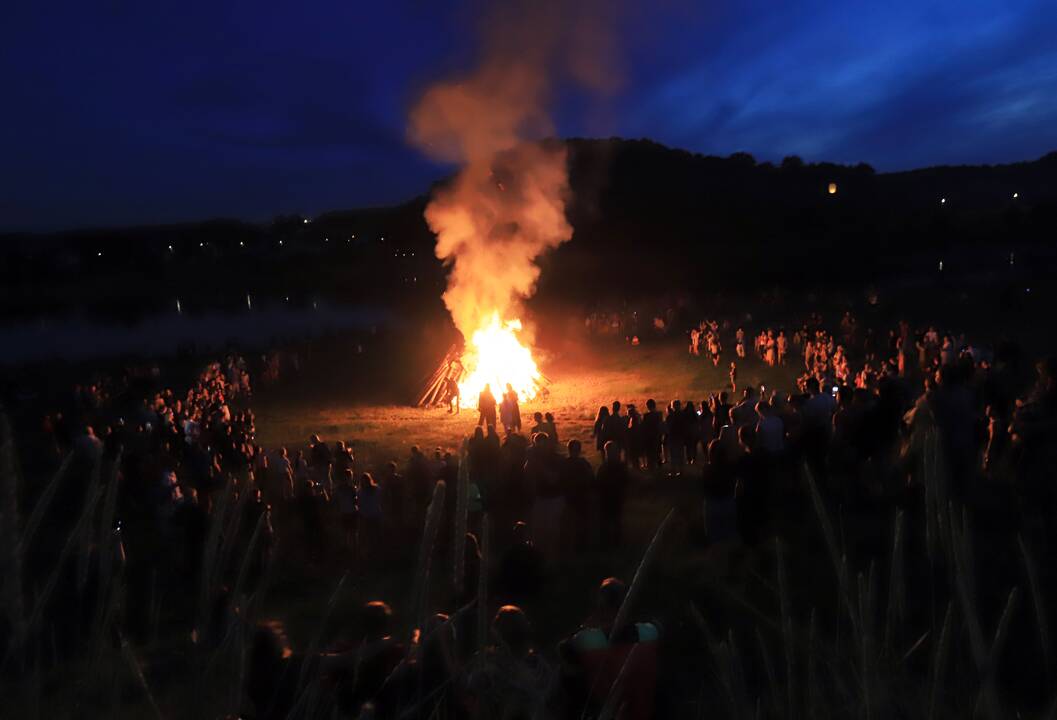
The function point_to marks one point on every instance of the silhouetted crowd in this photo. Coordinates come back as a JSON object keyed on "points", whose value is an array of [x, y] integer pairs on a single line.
{"points": [[189, 494]]}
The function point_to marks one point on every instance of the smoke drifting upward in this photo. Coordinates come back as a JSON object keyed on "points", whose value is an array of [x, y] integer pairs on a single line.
{"points": [[506, 207]]}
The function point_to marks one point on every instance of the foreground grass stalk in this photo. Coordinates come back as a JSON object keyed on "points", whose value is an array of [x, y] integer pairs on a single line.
{"points": [[938, 669], [141, 680], [1039, 607], [209, 554], [895, 613], [482, 584], [837, 556], [787, 631], [639, 581], [72, 541], [430, 529], [462, 491]]}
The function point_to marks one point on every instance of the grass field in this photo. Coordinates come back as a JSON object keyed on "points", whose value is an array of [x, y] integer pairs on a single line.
{"points": [[729, 614], [582, 378]]}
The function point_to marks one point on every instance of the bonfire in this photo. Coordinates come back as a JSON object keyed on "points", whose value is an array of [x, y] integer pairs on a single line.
{"points": [[496, 357]]}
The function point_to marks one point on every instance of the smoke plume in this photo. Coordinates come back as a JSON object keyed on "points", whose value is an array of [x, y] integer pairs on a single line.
{"points": [[506, 207]]}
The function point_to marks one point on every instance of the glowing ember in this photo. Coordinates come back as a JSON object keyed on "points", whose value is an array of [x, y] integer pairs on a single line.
{"points": [[494, 356]]}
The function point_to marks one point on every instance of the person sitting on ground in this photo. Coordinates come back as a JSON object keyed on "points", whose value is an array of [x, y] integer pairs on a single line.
{"points": [[362, 674], [509, 679], [593, 657], [538, 428], [273, 674]]}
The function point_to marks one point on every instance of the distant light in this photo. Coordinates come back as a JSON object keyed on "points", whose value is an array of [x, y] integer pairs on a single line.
{"points": [[1010, 258], [99, 254], [305, 221], [943, 201], [1016, 195], [178, 308], [941, 266], [280, 242], [201, 244], [249, 302], [241, 244], [1027, 290], [170, 248], [832, 188], [286, 299], [326, 239], [315, 305]]}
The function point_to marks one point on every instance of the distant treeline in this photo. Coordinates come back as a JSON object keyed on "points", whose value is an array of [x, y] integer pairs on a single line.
{"points": [[646, 218]]}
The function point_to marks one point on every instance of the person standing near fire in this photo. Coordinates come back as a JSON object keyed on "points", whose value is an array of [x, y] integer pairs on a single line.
{"points": [[452, 396], [510, 411], [486, 407]]}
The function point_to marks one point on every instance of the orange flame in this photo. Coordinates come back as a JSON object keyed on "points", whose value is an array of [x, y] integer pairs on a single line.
{"points": [[496, 357]]}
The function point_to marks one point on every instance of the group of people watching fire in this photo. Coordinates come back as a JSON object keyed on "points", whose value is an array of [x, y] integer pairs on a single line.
{"points": [[199, 506]]}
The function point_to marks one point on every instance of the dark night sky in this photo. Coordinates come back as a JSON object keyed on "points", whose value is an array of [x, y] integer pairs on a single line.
{"points": [[121, 112]]}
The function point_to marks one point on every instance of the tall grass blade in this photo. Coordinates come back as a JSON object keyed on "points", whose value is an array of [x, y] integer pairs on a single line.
{"points": [[639, 581], [1039, 606], [29, 532], [896, 609], [462, 491], [938, 668], [141, 680], [836, 554], [482, 584], [614, 699], [787, 631], [420, 592]]}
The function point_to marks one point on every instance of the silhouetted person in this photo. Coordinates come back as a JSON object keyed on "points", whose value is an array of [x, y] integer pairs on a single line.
{"points": [[486, 407], [598, 432], [575, 479], [611, 483], [595, 655], [521, 567], [510, 410], [652, 433]]}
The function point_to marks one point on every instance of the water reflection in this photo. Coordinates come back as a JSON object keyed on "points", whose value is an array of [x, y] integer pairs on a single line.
{"points": [[74, 338]]}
